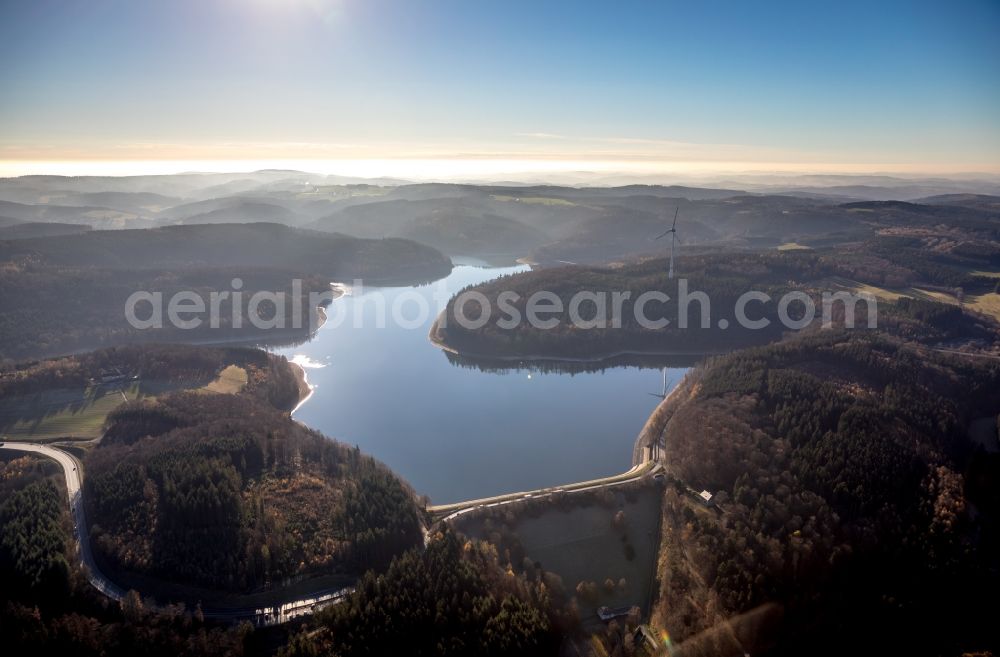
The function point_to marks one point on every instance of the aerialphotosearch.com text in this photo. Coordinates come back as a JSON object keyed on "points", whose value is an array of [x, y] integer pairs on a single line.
{"points": [[472, 310]]}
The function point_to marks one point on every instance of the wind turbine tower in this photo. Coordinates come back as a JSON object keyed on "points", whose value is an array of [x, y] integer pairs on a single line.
{"points": [[673, 241]]}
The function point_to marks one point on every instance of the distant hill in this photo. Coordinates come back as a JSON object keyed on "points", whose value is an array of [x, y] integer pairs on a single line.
{"points": [[545, 223], [143, 203], [40, 229], [983, 202], [454, 225], [97, 217], [247, 212], [234, 245]]}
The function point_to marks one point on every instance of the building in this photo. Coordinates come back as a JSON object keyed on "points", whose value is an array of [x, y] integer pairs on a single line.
{"points": [[644, 636], [705, 498]]}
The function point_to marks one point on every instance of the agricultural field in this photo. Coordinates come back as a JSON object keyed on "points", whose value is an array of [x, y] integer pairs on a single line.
{"points": [[71, 413]]}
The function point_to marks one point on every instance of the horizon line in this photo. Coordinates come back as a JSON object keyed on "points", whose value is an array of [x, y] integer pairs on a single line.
{"points": [[456, 168]]}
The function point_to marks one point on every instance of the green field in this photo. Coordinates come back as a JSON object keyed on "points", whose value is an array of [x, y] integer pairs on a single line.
{"points": [[62, 413], [77, 413]]}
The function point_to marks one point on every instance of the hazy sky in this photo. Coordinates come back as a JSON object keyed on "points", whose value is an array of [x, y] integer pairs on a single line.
{"points": [[678, 85]]}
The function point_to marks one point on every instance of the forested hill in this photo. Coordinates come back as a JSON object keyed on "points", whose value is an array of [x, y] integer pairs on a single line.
{"points": [[848, 489], [723, 277], [453, 598], [67, 293], [256, 245], [226, 491]]}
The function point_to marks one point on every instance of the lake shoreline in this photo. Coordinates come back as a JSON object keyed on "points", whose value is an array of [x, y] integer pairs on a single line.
{"points": [[302, 381]]}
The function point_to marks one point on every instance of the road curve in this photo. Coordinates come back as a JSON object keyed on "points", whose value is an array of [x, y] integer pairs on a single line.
{"points": [[74, 488], [274, 615]]}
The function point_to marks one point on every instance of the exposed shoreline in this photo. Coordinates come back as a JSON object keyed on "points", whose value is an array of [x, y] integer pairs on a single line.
{"points": [[305, 389]]}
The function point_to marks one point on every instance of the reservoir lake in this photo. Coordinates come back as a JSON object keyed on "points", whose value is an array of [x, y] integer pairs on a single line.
{"points": [[459, 432]]}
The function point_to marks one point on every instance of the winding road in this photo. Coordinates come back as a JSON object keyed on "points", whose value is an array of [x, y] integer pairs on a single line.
{"points": [[260, 616], [74, 488]]}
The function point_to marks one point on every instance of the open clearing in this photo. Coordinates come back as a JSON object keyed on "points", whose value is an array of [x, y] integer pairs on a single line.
{"points": [[62, 413], [230, 381], [794, 246], [986, 304]]}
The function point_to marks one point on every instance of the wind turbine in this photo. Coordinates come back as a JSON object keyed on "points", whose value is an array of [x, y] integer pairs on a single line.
{"points": [[662, 395], [673, 240]]}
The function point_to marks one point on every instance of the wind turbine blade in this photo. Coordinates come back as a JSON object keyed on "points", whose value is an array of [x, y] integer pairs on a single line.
{"points": [[676, 210], [664, 234]]}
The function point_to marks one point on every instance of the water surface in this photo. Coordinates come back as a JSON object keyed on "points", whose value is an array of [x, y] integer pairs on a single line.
{"points": [[459, 433]]}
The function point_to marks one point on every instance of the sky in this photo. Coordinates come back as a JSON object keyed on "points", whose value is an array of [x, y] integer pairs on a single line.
{"points": [[439, 87]]}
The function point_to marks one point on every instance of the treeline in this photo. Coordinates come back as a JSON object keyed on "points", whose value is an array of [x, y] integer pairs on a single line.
{"points": [[452, 598], [841, 468], [225, 491]]}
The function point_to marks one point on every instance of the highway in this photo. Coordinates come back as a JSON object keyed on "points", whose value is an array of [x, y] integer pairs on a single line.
{"points": [[260, 616]]}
